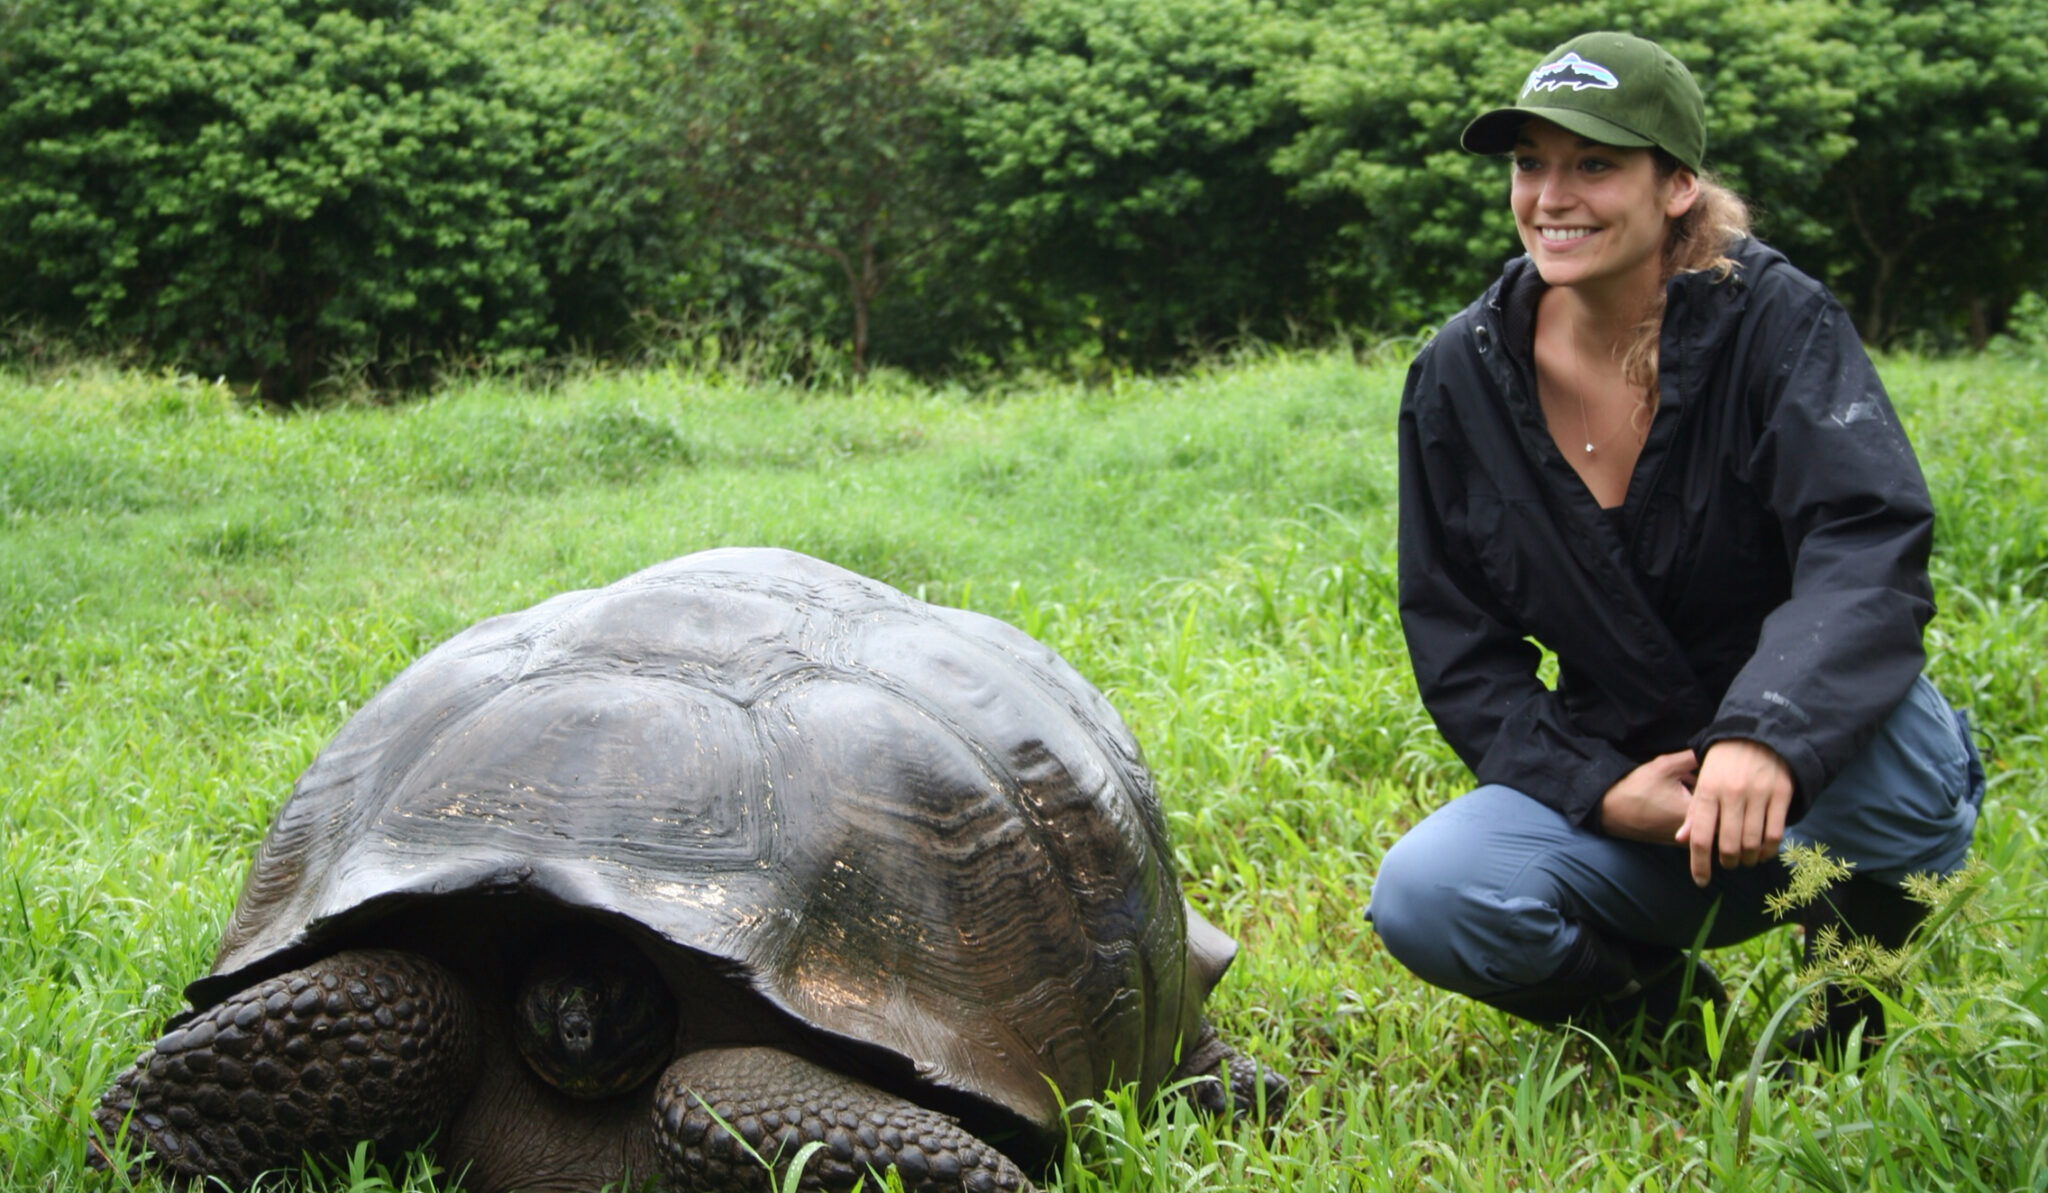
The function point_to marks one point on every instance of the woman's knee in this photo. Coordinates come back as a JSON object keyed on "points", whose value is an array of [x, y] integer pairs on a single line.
{"points": [[1467, 901], [1407, 906], [1442, 908]]}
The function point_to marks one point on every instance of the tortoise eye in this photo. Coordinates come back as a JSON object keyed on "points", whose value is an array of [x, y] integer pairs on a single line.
{"points": [[538, 1012]]}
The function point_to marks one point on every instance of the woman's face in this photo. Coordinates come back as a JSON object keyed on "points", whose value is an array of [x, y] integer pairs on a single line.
{"points": [[1591, 214]]}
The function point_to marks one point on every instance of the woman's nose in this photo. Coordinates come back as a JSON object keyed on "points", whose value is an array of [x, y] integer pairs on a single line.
{"points": [[1556, 192]]}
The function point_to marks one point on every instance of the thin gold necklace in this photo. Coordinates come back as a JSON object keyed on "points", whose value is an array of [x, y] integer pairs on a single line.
{"points": [[1586, 425], [1585, 418]]}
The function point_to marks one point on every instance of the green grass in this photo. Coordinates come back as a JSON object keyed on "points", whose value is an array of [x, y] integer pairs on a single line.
{"points": [[194, 596]]}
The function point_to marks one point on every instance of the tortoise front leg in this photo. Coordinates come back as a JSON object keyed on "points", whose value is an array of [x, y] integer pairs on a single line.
{"points": [[375, 1045], [1252, 1090], [777, 1103]]}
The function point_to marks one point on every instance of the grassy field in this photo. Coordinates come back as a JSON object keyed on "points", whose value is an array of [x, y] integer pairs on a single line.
{"points": [[194, 596]]}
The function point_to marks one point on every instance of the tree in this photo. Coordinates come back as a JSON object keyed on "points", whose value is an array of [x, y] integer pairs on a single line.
{"points": [[816, 126], [1939, 205]]}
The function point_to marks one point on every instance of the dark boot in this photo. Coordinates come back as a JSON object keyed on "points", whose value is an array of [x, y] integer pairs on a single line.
{"points": [[1615, 989], [1859, 907]]}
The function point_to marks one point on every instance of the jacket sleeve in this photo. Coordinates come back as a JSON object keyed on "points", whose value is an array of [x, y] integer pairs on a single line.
{"points": [[1475, 669], [1833, 464]]}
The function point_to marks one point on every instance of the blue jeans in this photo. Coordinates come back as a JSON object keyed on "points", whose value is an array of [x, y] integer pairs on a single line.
{"points": [[1488, 893]]}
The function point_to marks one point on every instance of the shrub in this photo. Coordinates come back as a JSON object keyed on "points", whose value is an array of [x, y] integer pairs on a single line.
{"points": [[1124, 149], [262, 188], [812, 128], [1936, 210]]}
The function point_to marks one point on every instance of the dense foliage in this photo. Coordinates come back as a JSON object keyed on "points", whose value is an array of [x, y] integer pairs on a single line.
{"points": [[1936, 207], [266, 189], [815, 127], [1123, 152], [260, 189]]}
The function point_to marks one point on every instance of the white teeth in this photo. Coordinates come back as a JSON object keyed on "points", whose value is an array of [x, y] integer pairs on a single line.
{"points": [[1560, 234]]}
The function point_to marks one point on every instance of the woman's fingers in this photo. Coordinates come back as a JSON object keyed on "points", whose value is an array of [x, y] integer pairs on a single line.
{"points": [[1738, 807]]}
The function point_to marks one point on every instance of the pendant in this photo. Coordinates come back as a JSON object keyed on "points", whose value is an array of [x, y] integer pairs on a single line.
{"points": [[1589, 449]]}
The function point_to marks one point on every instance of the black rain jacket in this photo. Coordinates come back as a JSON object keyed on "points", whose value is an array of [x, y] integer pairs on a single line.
{"points": [[1765, 578]]}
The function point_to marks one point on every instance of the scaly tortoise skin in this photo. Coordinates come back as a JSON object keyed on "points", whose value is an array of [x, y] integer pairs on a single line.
{"points": [[820, 862]]}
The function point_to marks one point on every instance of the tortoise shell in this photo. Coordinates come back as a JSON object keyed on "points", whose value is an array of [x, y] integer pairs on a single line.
{"points": [[908, 827]]}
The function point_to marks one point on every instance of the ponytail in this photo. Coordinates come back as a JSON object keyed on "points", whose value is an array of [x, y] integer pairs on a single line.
{"points": [[1699, 242]]}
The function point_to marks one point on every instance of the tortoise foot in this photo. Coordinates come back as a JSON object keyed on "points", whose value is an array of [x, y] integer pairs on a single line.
{"points": [[1226, 1083], [375, 1045], [708, 1103]]}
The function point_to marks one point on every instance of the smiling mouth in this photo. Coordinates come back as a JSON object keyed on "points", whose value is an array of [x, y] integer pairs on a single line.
{"points": [[1564, 235]]}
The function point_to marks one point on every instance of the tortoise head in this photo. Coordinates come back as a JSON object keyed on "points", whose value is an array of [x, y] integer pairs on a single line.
{"points": [[594, 1018]]}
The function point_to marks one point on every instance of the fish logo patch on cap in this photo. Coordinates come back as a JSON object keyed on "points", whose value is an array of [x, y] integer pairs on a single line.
{"points": [[1571, 71]]}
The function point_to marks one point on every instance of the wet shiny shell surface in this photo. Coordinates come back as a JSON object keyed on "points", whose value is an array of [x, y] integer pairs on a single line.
{"points": [[905, 825]]}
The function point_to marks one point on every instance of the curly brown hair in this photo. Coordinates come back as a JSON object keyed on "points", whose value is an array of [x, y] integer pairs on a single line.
{"points": [[1697, 241]]}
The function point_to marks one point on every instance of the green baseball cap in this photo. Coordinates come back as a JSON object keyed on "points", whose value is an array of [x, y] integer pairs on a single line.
{"points": [[1607, 87]]}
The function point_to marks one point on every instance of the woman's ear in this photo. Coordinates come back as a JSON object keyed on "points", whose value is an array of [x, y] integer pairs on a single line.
{"points": [[1684, 192]]}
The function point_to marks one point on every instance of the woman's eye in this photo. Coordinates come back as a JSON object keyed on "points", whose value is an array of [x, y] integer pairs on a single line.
{"points": [[1596, 165], [1526, 164]]}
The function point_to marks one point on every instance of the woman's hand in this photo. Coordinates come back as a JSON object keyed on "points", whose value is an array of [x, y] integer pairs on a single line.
{"points": [[1649, 803], [1738, 807]]}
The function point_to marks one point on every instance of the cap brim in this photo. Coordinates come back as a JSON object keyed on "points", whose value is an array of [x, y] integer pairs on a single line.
{"points": [[1495, 131]]}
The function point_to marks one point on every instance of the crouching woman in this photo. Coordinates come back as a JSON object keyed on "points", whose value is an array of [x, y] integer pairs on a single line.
{"points": [[1658, 449]]}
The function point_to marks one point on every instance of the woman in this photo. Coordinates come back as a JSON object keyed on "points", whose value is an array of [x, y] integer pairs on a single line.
{"points": [[1657, 449]]}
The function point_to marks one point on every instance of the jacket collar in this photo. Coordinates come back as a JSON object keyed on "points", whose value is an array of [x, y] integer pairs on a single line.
{"points": [[1700, 312]]}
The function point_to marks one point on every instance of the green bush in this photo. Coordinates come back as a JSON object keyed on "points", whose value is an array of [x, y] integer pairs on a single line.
{"points": [[1123, 147], [814, 127], [1936, 210], [1156, 172], [266, 188]]}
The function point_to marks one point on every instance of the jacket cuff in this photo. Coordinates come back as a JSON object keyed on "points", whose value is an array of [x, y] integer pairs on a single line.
{"points": [[1571, 778], [1807, 771], [1602, 775]]}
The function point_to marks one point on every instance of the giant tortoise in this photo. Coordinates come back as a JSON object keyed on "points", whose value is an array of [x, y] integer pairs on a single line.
{"points": [[744, 847]]}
